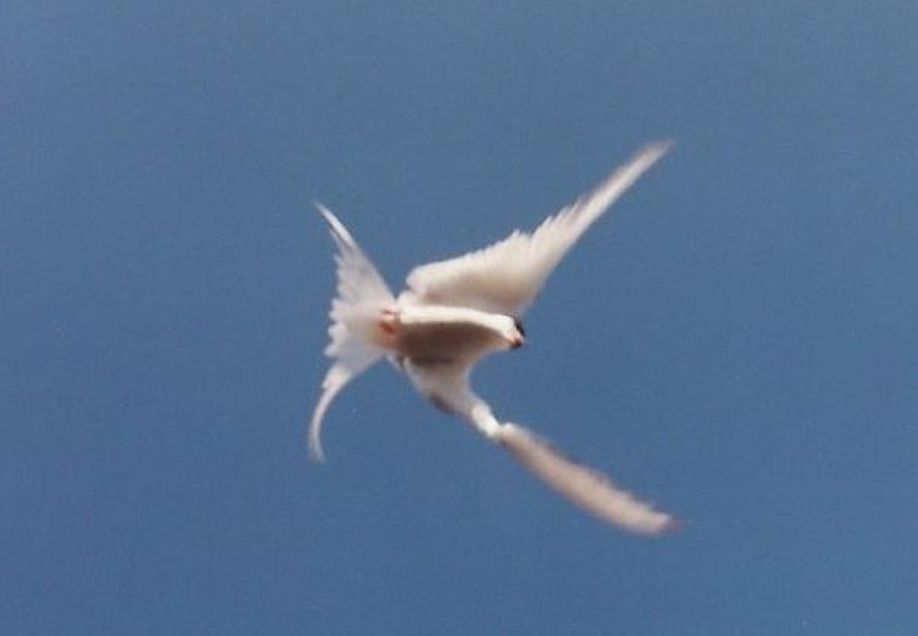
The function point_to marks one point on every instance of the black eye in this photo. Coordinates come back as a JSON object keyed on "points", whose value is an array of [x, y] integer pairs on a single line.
{"points": [[519, 327]]}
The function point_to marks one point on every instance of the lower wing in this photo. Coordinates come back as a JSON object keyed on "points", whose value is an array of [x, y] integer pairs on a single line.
{"points": [[447, 387], [590, 490]]}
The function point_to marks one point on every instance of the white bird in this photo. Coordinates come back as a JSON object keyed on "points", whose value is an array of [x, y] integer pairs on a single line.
{"points": [[456, 311]]}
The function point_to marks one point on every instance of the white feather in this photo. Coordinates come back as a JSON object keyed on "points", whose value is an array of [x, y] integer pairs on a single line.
{"points": [[506, 277], [583, 486], [453, 313], [362, 293], [447, 387]]}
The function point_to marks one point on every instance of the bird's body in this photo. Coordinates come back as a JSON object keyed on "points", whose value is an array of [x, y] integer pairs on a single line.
{"points": [[429, 335], [455, 312]]}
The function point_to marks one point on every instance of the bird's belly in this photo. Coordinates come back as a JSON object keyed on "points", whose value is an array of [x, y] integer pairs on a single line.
{"points": [[437, 343]]}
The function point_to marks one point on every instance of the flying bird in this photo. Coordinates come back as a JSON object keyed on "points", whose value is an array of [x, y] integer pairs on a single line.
{"points": [[454, 312]]}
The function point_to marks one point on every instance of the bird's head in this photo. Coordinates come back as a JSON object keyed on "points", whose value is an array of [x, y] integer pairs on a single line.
{"points": [[517, 335]]}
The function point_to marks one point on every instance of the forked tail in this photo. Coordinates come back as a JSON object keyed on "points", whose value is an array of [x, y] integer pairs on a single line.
{"points": [[361, 295]]}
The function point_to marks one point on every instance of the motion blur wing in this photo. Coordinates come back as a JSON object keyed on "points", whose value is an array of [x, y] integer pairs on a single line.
{"points": [[362, 293], [505, 277], [590, 490]]}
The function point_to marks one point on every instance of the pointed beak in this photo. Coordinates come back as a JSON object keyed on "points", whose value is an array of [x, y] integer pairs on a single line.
{"points": [[520, 336]]}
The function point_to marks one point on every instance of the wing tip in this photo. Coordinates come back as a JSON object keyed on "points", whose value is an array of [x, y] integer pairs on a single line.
{"points": [[668, 526], [672, 525], [323, 211], [339, 232], [316, 454], [314, 442], [655, 150], [561, 474]]}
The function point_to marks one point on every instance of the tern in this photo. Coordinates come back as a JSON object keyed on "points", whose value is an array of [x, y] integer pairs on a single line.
{"points": [[456, 311]]}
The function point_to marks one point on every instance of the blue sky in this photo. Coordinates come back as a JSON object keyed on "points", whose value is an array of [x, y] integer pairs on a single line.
{"points": [[736, 340]]}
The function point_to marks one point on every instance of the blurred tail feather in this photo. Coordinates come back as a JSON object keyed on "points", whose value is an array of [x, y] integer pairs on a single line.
{"points": [[361, 295]]}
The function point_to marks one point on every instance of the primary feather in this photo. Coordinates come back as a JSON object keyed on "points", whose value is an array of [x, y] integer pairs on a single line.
{"points": [[583, 486], [506, 277]]}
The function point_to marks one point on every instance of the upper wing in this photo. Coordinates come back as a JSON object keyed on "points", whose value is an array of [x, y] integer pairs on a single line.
{"points": [[505, 277], [583, 486]]}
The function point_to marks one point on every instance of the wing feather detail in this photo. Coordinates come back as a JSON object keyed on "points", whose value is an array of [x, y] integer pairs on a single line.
{"points": [[447, 387], [587, 488], [361, 294], [506, 276]]}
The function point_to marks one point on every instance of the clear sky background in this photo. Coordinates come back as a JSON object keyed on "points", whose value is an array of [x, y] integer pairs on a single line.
{"points": [[736, 341]]}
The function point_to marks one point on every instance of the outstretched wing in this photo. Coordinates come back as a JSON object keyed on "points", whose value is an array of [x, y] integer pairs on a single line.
{"points": [[362, 293], [505, 277], [589, 489], [447, 387]]}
